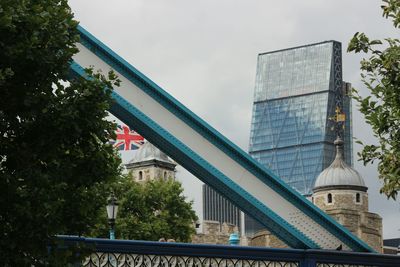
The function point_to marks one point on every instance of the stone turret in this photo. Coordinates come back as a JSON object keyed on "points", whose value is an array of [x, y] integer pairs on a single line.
{"points": [[341, 192], [150, 163]]}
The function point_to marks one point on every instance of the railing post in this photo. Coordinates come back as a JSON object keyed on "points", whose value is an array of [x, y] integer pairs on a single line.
{"points": [[234, 239]]}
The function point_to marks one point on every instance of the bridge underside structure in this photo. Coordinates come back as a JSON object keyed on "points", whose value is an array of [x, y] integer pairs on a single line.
{"points": [[211, 157]]}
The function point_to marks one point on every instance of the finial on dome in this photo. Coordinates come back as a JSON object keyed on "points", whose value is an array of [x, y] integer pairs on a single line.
{"points": [[339, 159], [338, 141]]}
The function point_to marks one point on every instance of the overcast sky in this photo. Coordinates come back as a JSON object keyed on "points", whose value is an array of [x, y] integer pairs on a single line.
{"points": [[204, 53]]}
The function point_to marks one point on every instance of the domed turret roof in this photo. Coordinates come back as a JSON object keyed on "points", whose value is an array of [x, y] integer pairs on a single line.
{"points": [[339, 174], [149, 152]]}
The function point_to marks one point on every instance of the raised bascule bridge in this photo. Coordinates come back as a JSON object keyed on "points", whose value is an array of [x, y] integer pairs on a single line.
{"points": [[207, 154]]}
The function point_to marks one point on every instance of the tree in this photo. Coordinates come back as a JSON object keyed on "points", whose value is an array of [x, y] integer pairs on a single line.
{"points": [[55, 163], [150, 211], [381, 76]]}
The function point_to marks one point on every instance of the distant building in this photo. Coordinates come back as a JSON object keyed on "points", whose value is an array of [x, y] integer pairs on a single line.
{"points": [[216, 208], [391, 246], [299, 93], [150, 163]]}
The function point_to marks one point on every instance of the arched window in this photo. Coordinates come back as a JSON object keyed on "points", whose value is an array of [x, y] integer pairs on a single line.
{"points": [[140, 175], [358, 198], [329, 198], [165, 175]]}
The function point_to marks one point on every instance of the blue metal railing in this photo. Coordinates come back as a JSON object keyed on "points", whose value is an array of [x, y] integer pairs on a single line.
{"points": [[159, 254]]}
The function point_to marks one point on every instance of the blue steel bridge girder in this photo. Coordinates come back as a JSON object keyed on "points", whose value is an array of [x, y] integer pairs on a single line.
{"points": [[211, 170], [154, 133]]}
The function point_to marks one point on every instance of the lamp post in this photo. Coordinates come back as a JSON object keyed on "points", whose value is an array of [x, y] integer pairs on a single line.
{"points": [[112, 209]]}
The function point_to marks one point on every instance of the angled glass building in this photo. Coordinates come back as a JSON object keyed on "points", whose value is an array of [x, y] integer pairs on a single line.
{"points": [[298, 93]]}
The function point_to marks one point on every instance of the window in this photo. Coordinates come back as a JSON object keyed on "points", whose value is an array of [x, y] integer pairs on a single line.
{"points": [[329, 198], [358, 198], [165, 175], [140, 175]]}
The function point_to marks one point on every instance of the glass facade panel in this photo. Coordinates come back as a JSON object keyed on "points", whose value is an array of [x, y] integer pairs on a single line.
{"points": [[293, 72], [288, 122]]}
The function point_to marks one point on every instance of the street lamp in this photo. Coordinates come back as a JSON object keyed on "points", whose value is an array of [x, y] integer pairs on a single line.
{"points": [[112, 209]]}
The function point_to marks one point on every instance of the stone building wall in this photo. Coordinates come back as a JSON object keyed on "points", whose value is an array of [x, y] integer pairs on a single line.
{"points": [[341, 199], [214, 233], [264, 238], [352, 215], [150, 173], [366, 225]]}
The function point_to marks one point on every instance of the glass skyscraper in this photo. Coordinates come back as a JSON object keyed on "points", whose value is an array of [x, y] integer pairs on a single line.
{"points": [[298, 92]]}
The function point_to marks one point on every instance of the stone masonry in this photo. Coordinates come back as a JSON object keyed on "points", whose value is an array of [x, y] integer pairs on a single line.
{"points": [[214, 233]]}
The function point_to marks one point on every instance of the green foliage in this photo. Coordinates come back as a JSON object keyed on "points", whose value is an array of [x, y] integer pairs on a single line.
{"points": [[55, 162], [150, 211], [381, 76]]}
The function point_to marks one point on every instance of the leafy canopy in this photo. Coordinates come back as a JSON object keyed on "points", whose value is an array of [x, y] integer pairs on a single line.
{"points": [[55, 162], [150, 211], [381, 76]]}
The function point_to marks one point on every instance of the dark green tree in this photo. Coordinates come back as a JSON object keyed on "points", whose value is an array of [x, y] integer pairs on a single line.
{"points": [[55, 162], [381, 76], [150, 211]]}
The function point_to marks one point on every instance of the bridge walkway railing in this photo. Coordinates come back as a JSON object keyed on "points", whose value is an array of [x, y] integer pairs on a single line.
{"points": [[128, 253]]}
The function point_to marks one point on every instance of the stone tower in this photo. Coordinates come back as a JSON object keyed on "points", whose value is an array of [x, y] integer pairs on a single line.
{"points": [[340, 191], [150, 163]]}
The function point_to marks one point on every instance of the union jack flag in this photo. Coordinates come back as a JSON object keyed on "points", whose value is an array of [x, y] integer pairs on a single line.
{"points": [[127, 139]]}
